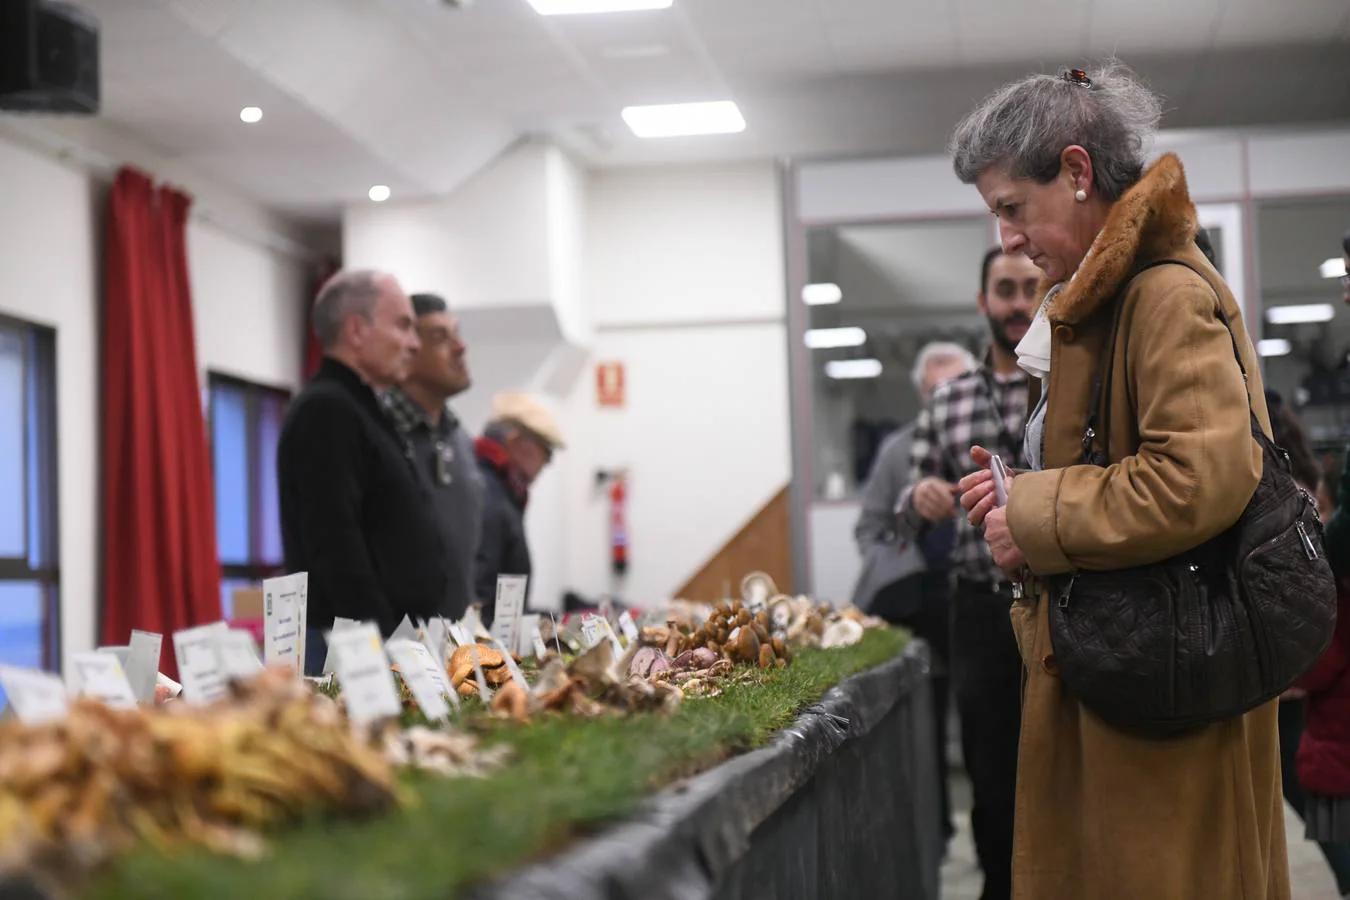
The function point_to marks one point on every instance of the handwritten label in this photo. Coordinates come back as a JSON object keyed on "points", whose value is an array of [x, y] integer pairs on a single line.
{"points": [[142, 663], [367, 684], [628, 626], [509, 606], [36, 697], [100, 676], [613, 639], [285, 609], [424, 678], [237, 655], [195, 649]]}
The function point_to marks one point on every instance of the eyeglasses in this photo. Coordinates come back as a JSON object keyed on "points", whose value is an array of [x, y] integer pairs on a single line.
{"points": [[1076, 76]]}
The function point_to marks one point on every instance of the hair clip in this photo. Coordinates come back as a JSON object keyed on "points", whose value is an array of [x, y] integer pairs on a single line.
{"points": [[1076, 76]]}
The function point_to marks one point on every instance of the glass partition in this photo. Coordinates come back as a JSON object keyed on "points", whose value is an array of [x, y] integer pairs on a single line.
{"points": [[876, 295], [1305, 327]]}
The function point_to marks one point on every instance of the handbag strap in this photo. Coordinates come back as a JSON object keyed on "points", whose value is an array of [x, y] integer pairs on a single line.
{"points": [[1101, 385]]}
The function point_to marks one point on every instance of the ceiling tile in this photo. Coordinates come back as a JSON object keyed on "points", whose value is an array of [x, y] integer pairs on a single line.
{"points": [[1251, 22], [1122, 30]]}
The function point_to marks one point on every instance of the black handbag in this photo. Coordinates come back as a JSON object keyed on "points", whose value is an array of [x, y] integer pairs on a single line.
{"points": [[1213, 632]]}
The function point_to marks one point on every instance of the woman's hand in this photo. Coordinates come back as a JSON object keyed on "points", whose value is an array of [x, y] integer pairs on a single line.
{"points": [[997, 534], [977, 488]]}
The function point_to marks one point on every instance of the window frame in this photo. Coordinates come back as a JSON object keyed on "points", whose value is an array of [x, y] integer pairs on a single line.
{"points": [[40, 378], [256, 568]]}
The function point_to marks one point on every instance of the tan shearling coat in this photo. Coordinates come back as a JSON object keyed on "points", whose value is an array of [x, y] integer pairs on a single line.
{"points": [[1101, 815]]}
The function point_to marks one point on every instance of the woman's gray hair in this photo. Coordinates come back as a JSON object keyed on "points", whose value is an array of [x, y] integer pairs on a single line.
{"points": [[1027, 124], [940, 351]]}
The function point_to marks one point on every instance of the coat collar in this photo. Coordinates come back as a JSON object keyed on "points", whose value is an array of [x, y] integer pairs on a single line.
{"points": [[1152, 220]]}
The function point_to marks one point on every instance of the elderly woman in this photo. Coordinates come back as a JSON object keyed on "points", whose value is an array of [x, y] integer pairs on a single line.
{"points": [[1102, 814]]}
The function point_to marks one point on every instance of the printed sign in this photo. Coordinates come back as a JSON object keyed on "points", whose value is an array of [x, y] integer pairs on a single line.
{"points": [[285, 607], [100, 676], [510, 604], [609, 384], [424, 678]]}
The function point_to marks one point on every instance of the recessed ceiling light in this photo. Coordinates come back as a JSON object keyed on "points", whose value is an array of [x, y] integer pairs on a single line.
{"points": [[250, 114], [853, 368], [1300, 315], [380, 193], [1332, 268], [823, 294], [681, 119], [1274, 347], [579, 7], [829, 338]]}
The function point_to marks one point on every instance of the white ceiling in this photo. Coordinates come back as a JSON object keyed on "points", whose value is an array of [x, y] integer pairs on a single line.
{"points": [[418, 95]]}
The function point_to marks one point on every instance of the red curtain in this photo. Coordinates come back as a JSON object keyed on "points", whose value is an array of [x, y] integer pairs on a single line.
{"points": [[160, 568], [313, 352]]}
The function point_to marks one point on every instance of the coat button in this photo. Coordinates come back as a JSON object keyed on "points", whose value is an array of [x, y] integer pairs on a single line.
{"points": [[1049, 665], [1064, 333]]}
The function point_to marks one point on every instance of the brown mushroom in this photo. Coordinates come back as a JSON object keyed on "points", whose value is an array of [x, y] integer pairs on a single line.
{"points": [[747, 646], [512, 702], [766, 657]]}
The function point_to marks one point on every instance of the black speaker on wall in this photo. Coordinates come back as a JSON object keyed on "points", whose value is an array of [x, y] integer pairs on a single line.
{"points": [[48, 57]]}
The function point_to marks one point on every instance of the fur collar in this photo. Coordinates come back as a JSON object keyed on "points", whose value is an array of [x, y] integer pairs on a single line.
{"points": [[1152, 220]]}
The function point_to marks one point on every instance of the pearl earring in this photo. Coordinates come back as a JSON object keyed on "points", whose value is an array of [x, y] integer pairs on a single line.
{"points": [[1080, 195]]}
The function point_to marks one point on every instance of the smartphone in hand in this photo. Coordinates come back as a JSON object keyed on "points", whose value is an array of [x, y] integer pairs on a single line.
{"points": [[1001, 477]]}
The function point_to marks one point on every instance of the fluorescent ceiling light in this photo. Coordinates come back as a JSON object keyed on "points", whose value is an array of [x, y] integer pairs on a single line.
{"points": [[853, 368], [1274, 347], [1332, 268], [829, 338], [379, 193], [1300, 315], [682, 119], [579, 7], [822, 294], [250, 114]]}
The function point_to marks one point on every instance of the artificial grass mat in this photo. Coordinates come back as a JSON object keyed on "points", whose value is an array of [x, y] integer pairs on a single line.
{"points": [[568, 777]]}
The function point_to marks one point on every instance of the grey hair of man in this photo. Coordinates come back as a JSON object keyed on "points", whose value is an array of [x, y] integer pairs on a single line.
{"points": [[937, 352], [346, 294], [1027, 124]]}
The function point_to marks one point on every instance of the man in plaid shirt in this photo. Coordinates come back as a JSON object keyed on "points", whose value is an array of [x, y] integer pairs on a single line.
{"points": [[987, 407]]}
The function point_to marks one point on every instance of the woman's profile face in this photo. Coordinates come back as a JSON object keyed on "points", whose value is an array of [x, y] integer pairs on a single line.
{"points": [[1043, 220]]}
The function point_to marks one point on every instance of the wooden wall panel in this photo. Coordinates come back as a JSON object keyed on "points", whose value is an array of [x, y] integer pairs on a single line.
{"points": [[763, 544]]}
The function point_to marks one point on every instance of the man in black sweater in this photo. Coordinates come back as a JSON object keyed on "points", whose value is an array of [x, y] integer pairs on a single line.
{"points": [[354, 513]]}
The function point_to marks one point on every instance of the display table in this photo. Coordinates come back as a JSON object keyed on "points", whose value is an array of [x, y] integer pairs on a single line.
{"points": [[842, 804]]}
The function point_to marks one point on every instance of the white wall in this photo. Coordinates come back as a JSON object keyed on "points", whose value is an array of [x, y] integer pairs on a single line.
{"points": [[684, 283], [247, 302]]}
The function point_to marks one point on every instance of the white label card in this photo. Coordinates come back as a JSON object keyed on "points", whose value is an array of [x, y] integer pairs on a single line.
{"points": [[591, 631], [540, 649], [510, 605], [458, 635], [339, 624], [367, 682], [525, 631], [237, 655], [424, 678], [613, 639], [437, 633], [142, 665], [100, 676], [195, 649], [628, 626], [285, 607], [406, 630], [36, 697]]}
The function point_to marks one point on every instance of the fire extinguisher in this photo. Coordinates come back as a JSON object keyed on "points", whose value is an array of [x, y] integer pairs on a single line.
{"points": [[618, 527]]}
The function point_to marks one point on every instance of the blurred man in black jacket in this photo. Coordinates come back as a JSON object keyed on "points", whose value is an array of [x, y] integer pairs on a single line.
{"points": [[354, 513]]}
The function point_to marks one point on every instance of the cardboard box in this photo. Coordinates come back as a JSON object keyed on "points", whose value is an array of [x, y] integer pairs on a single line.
{"points": [[248, 603]]}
